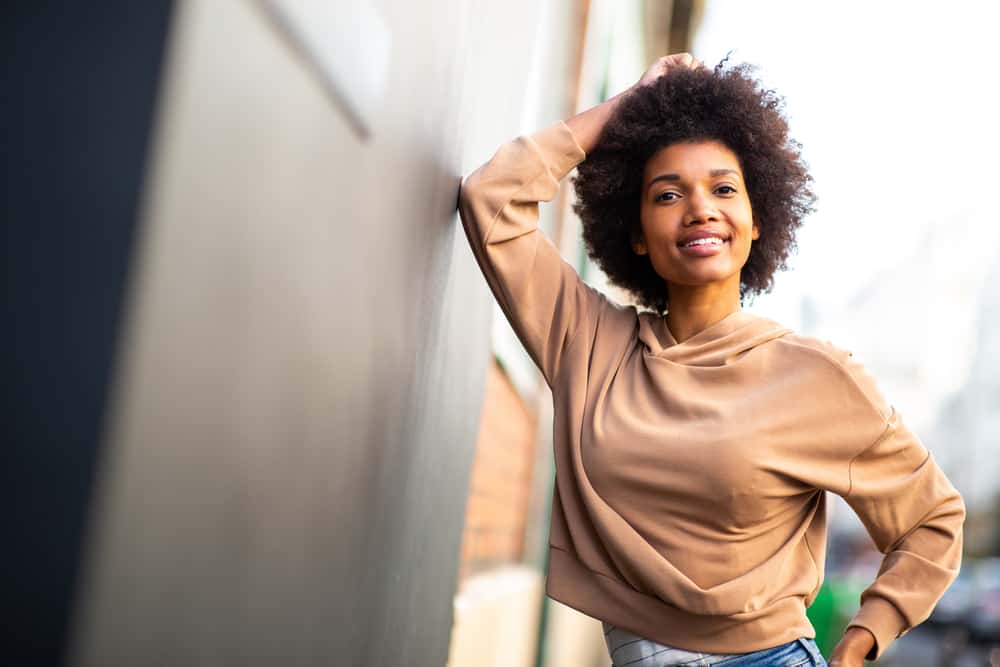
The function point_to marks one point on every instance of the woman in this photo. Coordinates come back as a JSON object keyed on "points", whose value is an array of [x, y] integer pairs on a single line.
{"points": [[693, 440]]}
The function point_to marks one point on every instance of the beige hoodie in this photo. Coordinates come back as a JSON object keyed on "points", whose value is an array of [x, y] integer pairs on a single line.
{"points": [[689, 505]]}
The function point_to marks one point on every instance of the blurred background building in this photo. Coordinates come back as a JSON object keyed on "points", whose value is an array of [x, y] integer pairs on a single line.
{"points": [[264, 409]]}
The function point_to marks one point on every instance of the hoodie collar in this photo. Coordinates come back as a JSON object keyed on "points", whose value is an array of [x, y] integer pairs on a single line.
{"points": [[716, 345]]}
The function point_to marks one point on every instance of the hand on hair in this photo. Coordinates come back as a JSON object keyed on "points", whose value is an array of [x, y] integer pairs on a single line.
{"points": [[665, 63]]}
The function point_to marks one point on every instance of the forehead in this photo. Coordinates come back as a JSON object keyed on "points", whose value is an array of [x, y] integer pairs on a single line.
{"points": [[691, 159]]}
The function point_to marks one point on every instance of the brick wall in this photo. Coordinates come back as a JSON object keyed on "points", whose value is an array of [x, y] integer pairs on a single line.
{"points": [[499, 490]]}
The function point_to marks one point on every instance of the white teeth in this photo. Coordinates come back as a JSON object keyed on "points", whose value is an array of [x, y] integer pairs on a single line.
{"points": [[713, 240]]}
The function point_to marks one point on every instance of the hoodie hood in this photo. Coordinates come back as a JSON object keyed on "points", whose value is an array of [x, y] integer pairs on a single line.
{"points": [[716, 345]]}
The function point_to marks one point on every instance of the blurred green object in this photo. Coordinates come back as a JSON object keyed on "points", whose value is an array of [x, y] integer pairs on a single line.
{"points": [[836, 602], [820, 614]]}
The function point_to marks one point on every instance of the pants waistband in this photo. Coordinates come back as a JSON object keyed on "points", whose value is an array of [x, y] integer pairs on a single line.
{"points": [[813, 650]]}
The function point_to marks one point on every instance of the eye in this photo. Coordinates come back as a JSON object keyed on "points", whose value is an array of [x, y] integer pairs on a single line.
{"points": [[726, 190], [665, 196]]}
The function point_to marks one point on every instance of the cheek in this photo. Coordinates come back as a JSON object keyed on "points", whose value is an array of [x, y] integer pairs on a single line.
{"points": [[647, 230], [656, 222], [748, 214], [744, 216]]}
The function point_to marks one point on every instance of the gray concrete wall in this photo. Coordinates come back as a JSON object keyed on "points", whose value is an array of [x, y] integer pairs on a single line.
{"points": [[301, 371]]}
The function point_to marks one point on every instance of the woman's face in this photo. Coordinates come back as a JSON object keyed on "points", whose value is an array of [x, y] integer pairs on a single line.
{"points": [[690, 190]]}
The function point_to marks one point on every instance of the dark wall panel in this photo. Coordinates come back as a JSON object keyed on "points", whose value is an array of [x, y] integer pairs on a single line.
{"points": [[79, 86]]}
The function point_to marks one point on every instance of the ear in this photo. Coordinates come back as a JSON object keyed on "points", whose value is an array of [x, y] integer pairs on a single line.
{"points": [[756, 232]]}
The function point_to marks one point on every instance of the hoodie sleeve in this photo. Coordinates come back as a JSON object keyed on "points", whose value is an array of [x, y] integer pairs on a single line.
{"points": [[541, 295], [913, 514]]}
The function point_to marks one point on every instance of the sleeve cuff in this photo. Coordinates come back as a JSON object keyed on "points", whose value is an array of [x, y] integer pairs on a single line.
{"points": [[881, 618], [559, 148]]}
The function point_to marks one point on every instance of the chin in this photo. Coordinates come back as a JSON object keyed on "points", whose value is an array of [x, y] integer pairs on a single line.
{"points": [[705, 275]]}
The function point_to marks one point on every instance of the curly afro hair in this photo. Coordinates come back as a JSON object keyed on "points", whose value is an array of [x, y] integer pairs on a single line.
{"points": [[724, 104]]}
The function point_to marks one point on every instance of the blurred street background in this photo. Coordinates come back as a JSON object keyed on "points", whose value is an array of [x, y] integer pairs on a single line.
{"points": [[263, 408]]}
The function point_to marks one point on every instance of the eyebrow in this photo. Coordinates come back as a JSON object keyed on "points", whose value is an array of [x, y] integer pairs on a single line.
{"points": [[677, 177]]}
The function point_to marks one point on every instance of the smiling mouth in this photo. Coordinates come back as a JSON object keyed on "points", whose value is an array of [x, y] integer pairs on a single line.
{"points": [[705, 241]]}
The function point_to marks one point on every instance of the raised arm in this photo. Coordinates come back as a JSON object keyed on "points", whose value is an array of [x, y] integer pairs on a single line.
{"points": [[543, 298]]}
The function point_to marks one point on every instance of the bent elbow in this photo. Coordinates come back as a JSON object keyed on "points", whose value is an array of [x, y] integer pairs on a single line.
{"points": [[954, 511], [469, 191]]}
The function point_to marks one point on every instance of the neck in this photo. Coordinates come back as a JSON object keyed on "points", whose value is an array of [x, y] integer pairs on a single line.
{"points": [[693, 309]]}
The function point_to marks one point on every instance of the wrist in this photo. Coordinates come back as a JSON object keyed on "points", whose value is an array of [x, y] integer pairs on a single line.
{"points": [[858, 641], [616, 99]]}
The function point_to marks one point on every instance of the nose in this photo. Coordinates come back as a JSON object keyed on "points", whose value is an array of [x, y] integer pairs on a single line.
{"points": [[700, 209]]}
